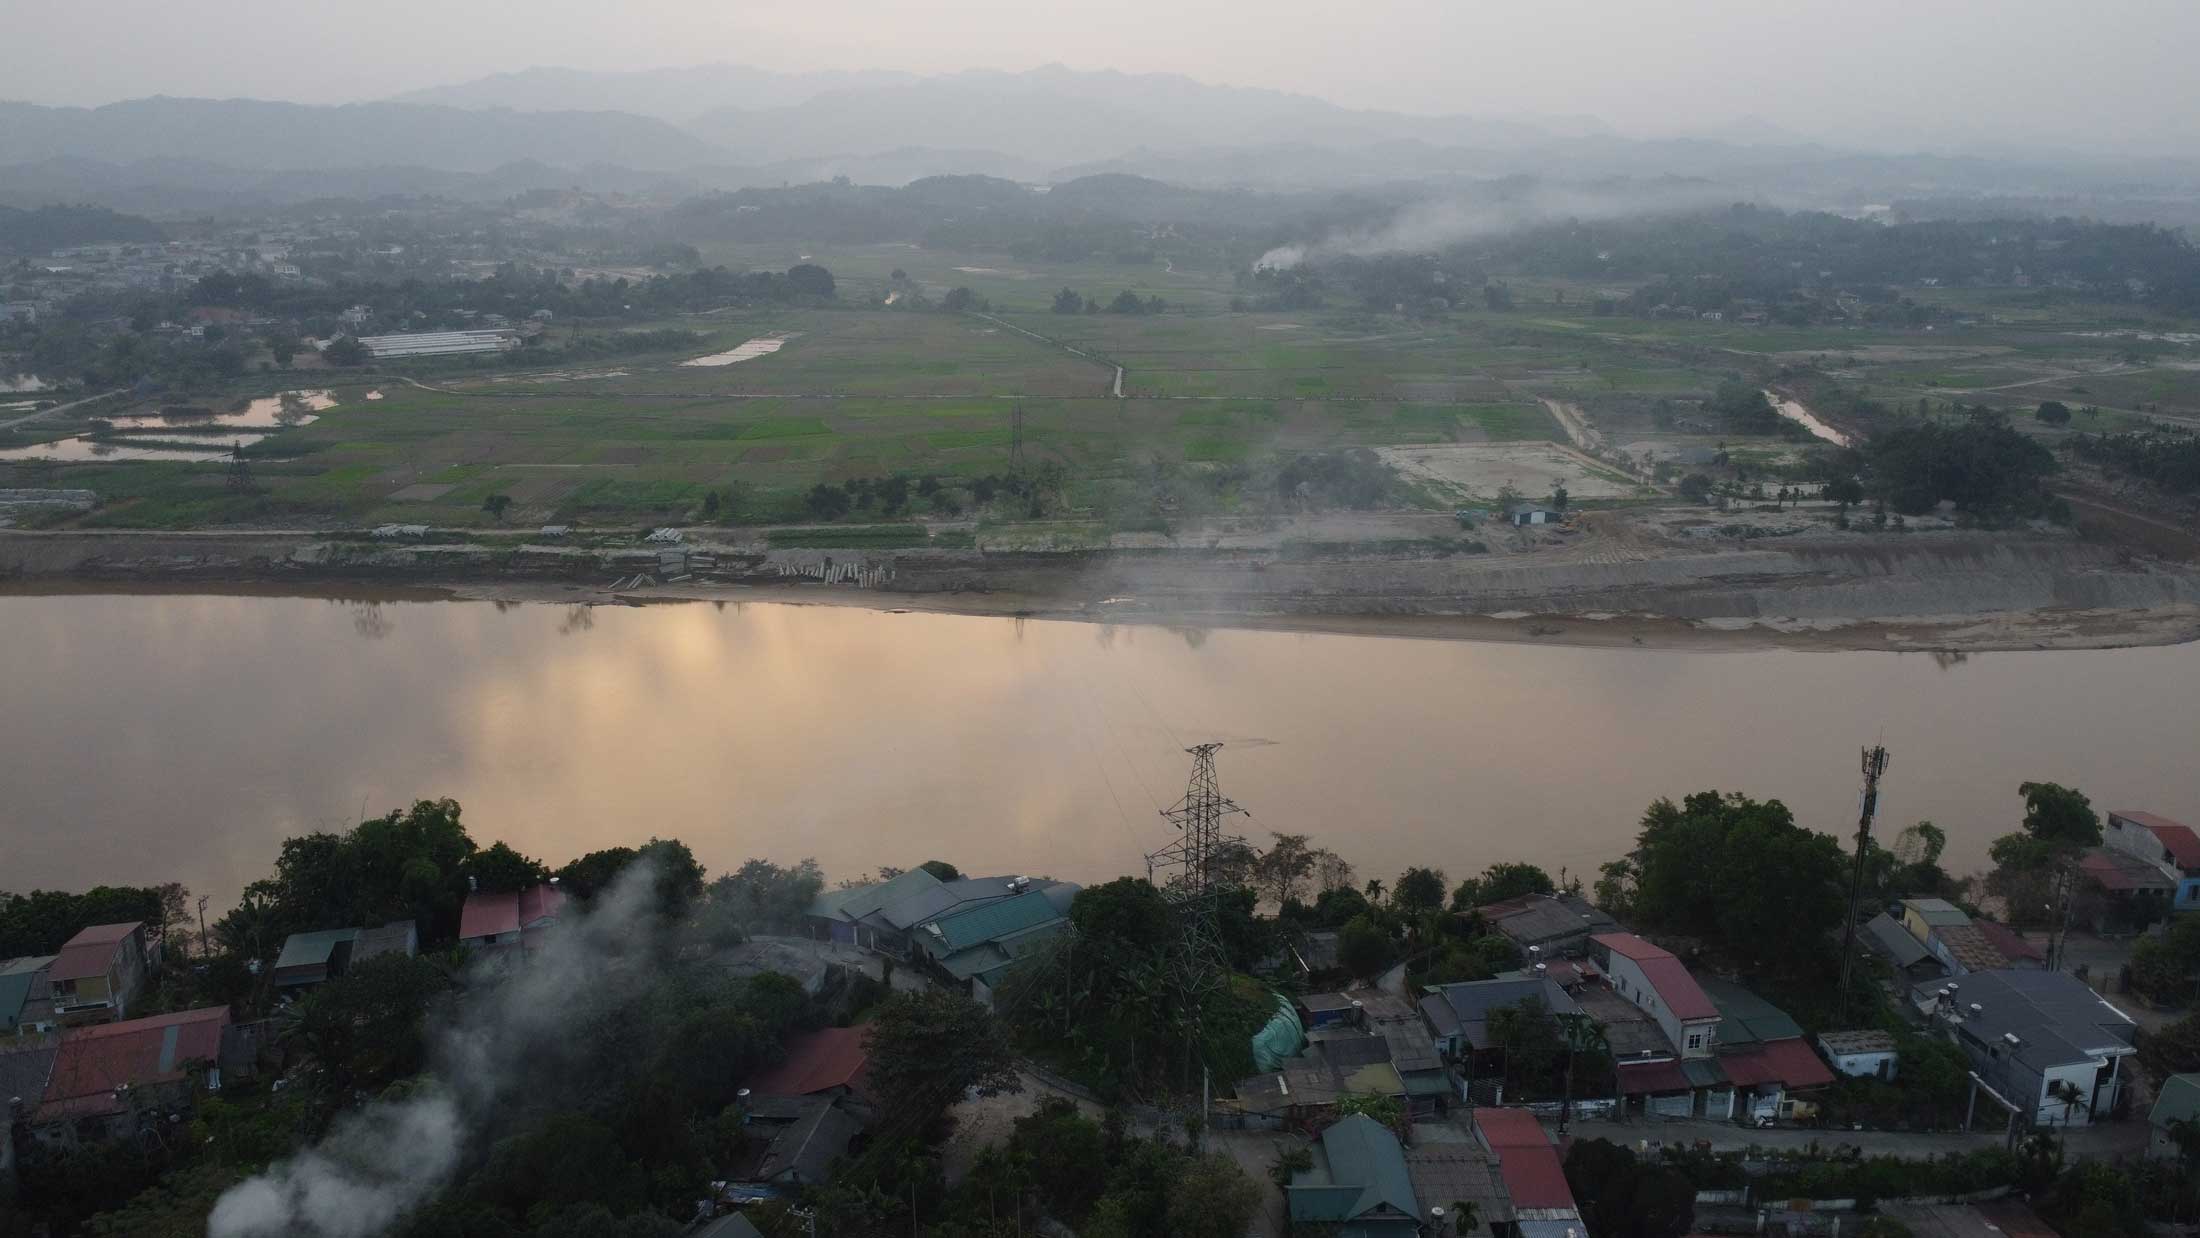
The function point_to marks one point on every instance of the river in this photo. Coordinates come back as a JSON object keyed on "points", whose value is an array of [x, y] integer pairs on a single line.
{"points": [[149, 737]]}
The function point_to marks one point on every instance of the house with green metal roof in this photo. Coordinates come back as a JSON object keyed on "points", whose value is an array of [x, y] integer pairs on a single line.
{"points": [[2177, 1101], [974, 944], [310, 958], [1358, 1183]]}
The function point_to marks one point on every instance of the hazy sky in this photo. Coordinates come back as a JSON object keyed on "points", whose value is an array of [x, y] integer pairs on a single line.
{"points": [[2113, 72]]}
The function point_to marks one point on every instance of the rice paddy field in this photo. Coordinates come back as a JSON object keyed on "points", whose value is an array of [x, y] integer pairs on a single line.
{"points": [[867, 391]]}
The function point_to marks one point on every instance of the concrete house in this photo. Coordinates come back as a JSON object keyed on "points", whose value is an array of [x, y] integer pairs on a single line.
{"points": [[1861, 1054], [2044, 1043], [1358, 1184], [1762, 1059], [2170, 846], [1962, 945], [1656, 982], [99, 973]]}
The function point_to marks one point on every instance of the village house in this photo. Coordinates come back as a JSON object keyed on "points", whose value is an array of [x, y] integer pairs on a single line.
{"points": [[1962, 945], [2042, 1041], [311, 958], [1358, 1186], [1887, 937], [1762, 1059], [26, 995], [2122, 893], [98, 973], [800, 1138], [2177, 1100], [1457, 1018], [1547, 926], [885, 916], [972, 945], [1541, 1203], [510, 917], [109, 1079], [1305, 1089], [1656, 982], [2170, 846], [831, 1061], [1861, 1054]]}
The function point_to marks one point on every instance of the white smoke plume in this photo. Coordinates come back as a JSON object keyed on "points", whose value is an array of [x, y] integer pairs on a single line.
{"points": [[1433, 224], [378, 1164]]}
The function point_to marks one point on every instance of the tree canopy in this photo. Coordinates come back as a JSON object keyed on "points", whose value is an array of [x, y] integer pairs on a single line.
{"points": [[1740, 872]]}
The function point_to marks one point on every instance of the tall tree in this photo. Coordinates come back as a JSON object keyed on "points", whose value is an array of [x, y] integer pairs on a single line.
{"points": [[930, 1047], [1418, 889], [1740, 871], [1282, 870]]}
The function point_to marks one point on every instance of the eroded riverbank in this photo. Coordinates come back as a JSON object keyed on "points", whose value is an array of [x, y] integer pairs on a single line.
{"points": [[1947, 591]]}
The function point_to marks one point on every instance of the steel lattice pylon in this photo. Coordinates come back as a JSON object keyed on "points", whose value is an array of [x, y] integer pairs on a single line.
{"points": [[1190, 873]]}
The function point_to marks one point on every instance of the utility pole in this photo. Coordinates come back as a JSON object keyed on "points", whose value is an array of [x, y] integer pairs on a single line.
{"points": [[1016, 440], [202, 925], [1875, 764], [1186, 872]]}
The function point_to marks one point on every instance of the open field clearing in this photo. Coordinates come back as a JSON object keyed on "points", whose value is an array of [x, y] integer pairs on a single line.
{"points": [[1532, 471]]}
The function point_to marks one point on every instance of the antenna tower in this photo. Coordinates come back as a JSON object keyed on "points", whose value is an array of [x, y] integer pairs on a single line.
{"points": [[1875, 764], [1189, 872]]}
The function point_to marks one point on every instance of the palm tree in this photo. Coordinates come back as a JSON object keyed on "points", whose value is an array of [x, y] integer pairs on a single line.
{"points": [[1582, 1034], [2066, 1092]]}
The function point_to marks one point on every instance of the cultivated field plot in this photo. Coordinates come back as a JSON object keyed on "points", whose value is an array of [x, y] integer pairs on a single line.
{"points": [[1533, 471]]}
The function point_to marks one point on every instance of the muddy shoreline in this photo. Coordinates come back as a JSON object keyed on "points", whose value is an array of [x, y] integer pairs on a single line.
{"points": [[1937, 595]]}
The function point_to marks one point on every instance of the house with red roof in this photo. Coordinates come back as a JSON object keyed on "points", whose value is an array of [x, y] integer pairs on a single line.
{"points": [[2170, 846], [108, 1079], [1530, 1169], [98, 973], [1655, 981], [507, 918], [831, 1061]]}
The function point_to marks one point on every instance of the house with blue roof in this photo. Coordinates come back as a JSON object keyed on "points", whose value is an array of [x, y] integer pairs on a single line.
{"points": [[1359, 1184]]}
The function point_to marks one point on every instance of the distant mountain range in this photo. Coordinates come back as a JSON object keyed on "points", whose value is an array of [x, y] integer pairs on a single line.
{"points": [[249, 133], [680, 131], [665, 94]]}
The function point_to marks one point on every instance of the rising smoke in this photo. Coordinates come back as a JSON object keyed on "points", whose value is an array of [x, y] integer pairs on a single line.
{"points": [[378, 1164], [1434, 224]]}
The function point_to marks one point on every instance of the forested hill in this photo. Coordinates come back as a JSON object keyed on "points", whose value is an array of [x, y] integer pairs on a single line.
{"points": [[47, 228]]}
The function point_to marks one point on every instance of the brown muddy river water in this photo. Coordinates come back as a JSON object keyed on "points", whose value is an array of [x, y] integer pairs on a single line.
{"points": [[147, 738]]}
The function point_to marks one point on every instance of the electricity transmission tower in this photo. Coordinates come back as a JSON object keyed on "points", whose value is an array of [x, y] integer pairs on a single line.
{"points": [[1875, 764], [1190, 871], [1016, 440], [240, 469]]}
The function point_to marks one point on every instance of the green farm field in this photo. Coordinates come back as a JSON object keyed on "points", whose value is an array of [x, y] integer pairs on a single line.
{"points": [[868, 392]]}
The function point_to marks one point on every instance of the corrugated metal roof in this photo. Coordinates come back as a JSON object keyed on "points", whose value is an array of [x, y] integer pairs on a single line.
{"points": [[1789, 1062], [1676, 988], [1745, 1018], [94, 1061], [509, 911], [827, 1058], [1937, 911], [91, 952], [1895, 941], [966, 927], [1525, 1158], [2178, 1101], [2176, 837], [15, 993], [1362, 1152], [312, 949], [2121, 873], [1635, 1079]]}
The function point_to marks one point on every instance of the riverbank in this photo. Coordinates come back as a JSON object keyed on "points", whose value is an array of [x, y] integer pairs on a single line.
{"points": [[1945, 591]]}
